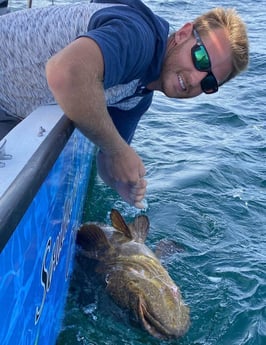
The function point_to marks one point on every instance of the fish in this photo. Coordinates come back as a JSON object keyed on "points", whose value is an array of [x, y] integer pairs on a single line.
{"points": [[134, 276]]}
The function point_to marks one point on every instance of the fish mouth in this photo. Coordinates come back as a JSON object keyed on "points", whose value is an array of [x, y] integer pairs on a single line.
{"points": [[153, 326]]}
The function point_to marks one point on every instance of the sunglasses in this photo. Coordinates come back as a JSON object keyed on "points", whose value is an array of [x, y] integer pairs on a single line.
{"points": [[202, 63]]}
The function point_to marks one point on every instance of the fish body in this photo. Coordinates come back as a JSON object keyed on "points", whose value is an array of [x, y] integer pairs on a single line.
{"points": [[134, 276]]}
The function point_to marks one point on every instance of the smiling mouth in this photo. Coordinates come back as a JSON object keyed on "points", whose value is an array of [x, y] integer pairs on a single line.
{"points": [[181, 82]]}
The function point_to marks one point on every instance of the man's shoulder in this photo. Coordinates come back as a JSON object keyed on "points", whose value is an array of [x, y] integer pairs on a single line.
{"points": [[127, 10]]}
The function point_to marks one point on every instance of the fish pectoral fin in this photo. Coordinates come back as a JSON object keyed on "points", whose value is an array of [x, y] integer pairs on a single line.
{"points": [[140, 228], [119, 223], [92, 238], [166, 248]]}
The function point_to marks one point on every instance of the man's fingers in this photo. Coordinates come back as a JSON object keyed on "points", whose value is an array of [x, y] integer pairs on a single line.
{"points": [[133, 194], [137, 193], [139, 205], [141, 184], [142, 172]]}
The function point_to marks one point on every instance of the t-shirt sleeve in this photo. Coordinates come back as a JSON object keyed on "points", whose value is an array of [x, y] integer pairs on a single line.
{"points": [[126, 41]]}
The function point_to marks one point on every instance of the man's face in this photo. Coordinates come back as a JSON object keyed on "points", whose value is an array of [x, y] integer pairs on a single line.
{"points": [[179, 77]]}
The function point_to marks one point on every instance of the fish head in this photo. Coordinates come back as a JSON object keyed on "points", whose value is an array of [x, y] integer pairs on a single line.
{"points": [[155, 301], [161, 310]]}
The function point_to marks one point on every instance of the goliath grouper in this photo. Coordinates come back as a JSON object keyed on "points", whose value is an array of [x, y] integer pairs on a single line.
{"points": [[134, 276]]}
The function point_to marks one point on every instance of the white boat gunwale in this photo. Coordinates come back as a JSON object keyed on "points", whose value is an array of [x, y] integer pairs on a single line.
{"points": [[19, 193]]}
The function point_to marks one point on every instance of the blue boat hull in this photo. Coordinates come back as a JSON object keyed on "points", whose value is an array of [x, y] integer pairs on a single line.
{"points": [[36, 262]]}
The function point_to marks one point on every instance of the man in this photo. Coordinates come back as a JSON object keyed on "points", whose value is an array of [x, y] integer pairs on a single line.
{"points": [[103, 61]]}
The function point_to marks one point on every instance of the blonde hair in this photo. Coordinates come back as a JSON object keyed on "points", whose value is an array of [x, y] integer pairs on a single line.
{"points": [[228, 19]]}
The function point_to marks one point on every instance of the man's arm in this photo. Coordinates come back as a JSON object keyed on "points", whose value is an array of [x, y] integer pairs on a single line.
{"points": [[75, 77]]}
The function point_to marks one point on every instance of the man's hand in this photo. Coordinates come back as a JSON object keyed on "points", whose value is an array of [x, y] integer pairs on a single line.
{"points": [[124, 172]]}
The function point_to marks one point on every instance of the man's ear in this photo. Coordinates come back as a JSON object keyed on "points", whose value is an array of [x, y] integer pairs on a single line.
{"points": [[184, 33]]}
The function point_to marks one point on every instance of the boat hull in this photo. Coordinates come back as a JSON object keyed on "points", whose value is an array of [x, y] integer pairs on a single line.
{"points": [[37, 259]]}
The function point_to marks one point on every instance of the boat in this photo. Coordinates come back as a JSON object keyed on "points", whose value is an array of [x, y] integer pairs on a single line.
{"points": [[45, 166]]}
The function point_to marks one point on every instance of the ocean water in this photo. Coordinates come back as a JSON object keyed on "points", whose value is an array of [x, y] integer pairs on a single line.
{"points": [[206, 171]]}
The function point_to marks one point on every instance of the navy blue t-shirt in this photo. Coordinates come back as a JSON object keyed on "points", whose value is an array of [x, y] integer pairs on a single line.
{"points": [[132, 40]]}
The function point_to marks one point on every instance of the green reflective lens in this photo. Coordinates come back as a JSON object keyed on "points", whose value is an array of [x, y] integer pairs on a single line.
{"points": [[202, 61]]}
